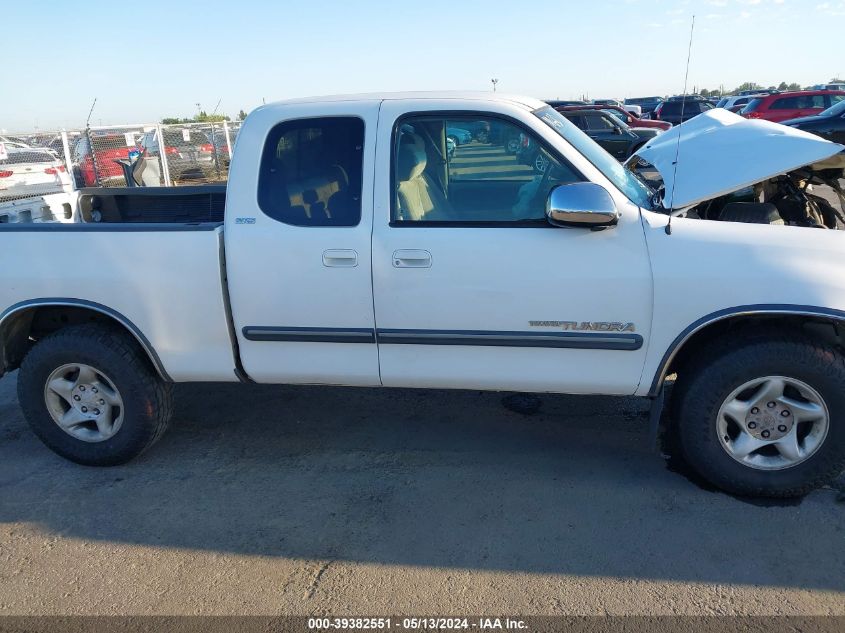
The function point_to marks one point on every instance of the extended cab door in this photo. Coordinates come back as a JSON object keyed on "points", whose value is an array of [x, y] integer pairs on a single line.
{"points": [[473, 288], [298, 223]]}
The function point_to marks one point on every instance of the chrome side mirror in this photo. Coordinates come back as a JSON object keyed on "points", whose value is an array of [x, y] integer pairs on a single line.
{"points": [[583, 204]]}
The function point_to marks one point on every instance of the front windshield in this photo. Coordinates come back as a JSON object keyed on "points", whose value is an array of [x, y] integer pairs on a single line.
{"points": [[834, 110], [624, 180]]}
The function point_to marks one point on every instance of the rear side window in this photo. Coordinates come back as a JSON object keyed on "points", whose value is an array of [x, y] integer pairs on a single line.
{"points": [[787, 103], [28, 156], [311, 172], [752, 106], [671, 108]]}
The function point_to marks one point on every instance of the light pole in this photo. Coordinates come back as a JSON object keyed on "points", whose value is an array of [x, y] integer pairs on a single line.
{"points": [[494, 82]]}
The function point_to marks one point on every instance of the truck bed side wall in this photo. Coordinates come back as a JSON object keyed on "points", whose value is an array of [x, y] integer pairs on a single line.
{"points": [[168, 283]]}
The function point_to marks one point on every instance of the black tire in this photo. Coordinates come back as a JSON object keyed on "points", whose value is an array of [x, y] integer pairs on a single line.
{"points": [[703, 386], [147, 399]]}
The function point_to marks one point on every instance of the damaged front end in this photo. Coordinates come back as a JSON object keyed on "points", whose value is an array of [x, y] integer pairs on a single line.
{"points": [[720, 166]]}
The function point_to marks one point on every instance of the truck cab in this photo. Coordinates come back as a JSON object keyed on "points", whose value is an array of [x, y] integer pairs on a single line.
{"points": [[361, 245]]}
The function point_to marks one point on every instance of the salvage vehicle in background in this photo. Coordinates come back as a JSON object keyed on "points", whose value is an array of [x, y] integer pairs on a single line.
{"points": [[735, 103], [829, 124], [791, 105], [28, 172], [647, 104], [190, 153], [100, 166], [619, 140], [351, 253], [623, 115], [677, 110]]}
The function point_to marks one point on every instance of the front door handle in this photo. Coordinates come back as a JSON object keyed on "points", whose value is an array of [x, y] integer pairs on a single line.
{"points": [[340, 258], [411, 258]]}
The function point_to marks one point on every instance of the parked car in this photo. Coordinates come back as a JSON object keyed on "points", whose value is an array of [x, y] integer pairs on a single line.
{"points": [[648, 104], [626, 117], [29, 172], [835, 86], [791, 105], [320, 287], [557, 103], [676, 110], [607, 102], [220, 146], [459, 135], [108, 148], [758, 91], [189, 152], [735, 103], [632, 108], [619, 140], [829, 124]]}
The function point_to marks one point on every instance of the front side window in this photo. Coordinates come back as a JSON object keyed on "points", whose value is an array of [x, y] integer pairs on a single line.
{"points": [[470, 170], [311, 172], [598, 123]]}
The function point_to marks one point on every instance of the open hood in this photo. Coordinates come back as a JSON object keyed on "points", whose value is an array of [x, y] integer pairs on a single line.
{"points": [[721, 152]]}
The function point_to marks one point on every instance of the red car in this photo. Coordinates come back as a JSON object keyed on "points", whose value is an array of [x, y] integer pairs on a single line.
{"points": [[791, 105], [629, 119], [108, 148]]}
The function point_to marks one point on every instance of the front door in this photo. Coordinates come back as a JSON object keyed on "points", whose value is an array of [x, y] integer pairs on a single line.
{"points": [[474, 289], [299, 252], [613, 138]]}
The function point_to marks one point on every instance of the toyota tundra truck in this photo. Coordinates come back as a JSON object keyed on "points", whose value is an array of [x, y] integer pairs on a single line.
{"points": [[356, 249]]}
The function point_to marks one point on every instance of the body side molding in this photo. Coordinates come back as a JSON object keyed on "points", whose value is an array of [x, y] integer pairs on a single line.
{"points": [[562, 340]]}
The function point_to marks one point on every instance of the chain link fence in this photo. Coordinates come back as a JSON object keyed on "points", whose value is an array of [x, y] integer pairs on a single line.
{"points": [[144, 154]]}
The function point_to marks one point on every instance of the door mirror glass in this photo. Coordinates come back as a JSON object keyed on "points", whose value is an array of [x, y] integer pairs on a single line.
{"points": [[583, 204]]}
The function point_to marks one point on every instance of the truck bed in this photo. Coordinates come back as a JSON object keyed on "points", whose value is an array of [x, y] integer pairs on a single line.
{"points": [[200, 204]]}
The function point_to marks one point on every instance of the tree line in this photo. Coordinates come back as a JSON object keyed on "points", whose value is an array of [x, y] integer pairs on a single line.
{"points": [[751, 85], [202, 117]]}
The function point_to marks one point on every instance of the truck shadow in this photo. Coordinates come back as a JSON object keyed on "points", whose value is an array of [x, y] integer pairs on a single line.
{"points": [[435, 479]]}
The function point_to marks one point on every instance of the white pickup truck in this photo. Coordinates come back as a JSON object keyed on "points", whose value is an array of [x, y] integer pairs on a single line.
{"points": [[362, 247]]}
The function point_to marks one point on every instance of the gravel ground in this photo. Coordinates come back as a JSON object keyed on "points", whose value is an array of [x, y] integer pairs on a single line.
{"points": [[305, 500]]}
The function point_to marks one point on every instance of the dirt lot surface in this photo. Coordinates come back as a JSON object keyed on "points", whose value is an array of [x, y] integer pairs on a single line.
{"points": [[282, 500]]}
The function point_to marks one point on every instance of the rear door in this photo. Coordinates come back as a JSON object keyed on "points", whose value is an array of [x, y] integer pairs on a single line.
{"points": [[298, 252], [812, 104]]}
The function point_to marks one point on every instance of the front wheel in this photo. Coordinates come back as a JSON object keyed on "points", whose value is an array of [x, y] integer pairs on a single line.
{"points": [[765, 417], [90, 394]]}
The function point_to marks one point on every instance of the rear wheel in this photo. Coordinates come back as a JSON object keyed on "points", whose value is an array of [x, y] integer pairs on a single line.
{"points": [[764, 417], [90, 394]]}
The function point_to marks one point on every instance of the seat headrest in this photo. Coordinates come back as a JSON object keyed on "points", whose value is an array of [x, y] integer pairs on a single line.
{"points": [[411, 161]]}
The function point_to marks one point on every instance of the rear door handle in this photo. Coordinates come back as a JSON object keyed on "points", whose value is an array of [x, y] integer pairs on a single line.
{"points": [[340, 258], [411, 258]]}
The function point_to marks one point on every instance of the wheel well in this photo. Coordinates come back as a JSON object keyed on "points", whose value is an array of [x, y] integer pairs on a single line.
{"points": [[23, 328], [822, 328]]}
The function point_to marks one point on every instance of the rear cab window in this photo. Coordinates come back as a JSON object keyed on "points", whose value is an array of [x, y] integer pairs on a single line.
{"points": [[311, 172]]}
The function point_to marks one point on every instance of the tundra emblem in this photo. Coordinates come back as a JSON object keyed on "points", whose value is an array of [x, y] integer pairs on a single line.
{"points": [[586, 326]]}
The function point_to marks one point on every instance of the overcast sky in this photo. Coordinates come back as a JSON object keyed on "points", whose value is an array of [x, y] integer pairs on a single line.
{"points": [[164, 57]]}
